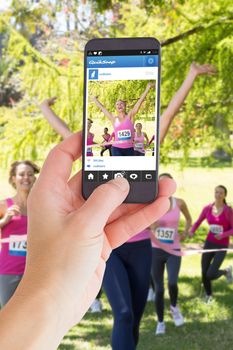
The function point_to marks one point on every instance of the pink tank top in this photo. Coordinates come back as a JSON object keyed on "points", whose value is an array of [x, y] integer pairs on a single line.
{"points": [[139, 143], [167, 230], [90, 141], [145, 234], [124, 133], [13, 254], [221, 224], [106, 137]]}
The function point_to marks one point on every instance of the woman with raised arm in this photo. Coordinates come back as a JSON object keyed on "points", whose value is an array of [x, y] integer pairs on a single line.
{"points": [[220, 220], [123, 124], [62, 128], [13, 223], [127, 276]]}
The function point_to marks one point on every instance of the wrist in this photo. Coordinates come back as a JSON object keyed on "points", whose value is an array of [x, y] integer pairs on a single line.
{"points": [[44, 105], [193, 72], [44, 330], [51, 311]]}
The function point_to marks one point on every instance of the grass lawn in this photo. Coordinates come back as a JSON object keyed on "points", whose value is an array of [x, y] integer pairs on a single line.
{"points": [[207, 327]]}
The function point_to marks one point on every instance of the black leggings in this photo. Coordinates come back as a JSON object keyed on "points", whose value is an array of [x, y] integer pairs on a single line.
{"points": [[126, 283], [105, 148], [210, 264], [160, 258]]}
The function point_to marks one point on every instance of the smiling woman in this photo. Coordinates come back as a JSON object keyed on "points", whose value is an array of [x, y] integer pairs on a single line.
{"points": [[13, 222]]}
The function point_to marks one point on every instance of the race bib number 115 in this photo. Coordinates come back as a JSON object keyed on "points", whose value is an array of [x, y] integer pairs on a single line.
{"points": [[17, 248], [216, 229]]}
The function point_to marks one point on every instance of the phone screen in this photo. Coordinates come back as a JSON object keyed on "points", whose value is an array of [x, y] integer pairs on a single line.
{"points": [[121, 116]]}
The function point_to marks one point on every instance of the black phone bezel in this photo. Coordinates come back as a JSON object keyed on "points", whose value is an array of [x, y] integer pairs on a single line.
{"points": [[140, 192]]}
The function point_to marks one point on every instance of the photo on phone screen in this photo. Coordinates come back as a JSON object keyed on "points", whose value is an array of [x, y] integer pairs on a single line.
{"points": [[121, 110]]}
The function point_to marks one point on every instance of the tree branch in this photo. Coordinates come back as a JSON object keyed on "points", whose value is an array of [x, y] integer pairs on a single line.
{"points": [[195, 30]]}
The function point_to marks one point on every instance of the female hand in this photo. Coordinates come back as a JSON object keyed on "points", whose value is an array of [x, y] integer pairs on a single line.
{"points": [[93, 98], [203, 69], [70, 239], [151, 85], [190, 233], [49, 102], [14, 210], [183, 236]]}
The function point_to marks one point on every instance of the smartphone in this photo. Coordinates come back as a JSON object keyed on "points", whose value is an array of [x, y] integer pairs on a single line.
{"points": [[121, 115]]}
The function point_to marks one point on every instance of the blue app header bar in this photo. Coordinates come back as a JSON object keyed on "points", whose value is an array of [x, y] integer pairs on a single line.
{"points": [[122, 61]]}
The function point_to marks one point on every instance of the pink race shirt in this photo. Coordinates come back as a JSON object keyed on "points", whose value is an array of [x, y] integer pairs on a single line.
{"points": [[145, 234], [90, 141], [167, 229], [124, 133], [139, 143], [13, 254], [106, 137], [220, 224]]}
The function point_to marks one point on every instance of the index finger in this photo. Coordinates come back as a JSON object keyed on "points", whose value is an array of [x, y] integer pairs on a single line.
{"points": [[58, 164]]}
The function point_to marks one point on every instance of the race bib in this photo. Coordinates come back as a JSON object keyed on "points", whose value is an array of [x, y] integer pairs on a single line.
{"points": [[165, 234], [138, 145], [123, 135], [216, 229], [17, 248]]}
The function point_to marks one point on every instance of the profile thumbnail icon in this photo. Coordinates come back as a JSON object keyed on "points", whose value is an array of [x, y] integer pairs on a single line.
{"points": [[93, 74]]}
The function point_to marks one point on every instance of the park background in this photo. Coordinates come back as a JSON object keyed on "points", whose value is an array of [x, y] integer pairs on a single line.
{"points": [[41, 55]]}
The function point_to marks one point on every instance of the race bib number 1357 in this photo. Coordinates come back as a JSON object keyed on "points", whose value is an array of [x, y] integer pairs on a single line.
{"points": [[165, 234]]}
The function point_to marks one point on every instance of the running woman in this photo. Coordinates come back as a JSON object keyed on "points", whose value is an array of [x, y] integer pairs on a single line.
{"points": [[90, 138], [106, 136], [123, 123], [127, 275], [13, 223], [166, 231], [139, 140], [220, 219]]}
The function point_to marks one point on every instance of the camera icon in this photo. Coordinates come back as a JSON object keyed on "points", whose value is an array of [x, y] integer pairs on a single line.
{"points": [[122, 174]]}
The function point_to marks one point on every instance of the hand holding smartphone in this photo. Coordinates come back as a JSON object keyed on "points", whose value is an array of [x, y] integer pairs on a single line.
{"points": [[121, 114]]}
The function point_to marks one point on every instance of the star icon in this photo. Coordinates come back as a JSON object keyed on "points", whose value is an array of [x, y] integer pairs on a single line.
{"points": [[105, 176]]}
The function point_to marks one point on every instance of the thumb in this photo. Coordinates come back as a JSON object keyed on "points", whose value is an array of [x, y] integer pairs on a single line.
{"points": [[103, 201]]}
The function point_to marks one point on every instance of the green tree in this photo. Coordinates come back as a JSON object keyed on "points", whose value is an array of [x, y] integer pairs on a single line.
{"points": [[188, 30]]}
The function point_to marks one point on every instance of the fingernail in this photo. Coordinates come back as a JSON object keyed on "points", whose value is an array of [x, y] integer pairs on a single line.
{"points": [[121, 182]]}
